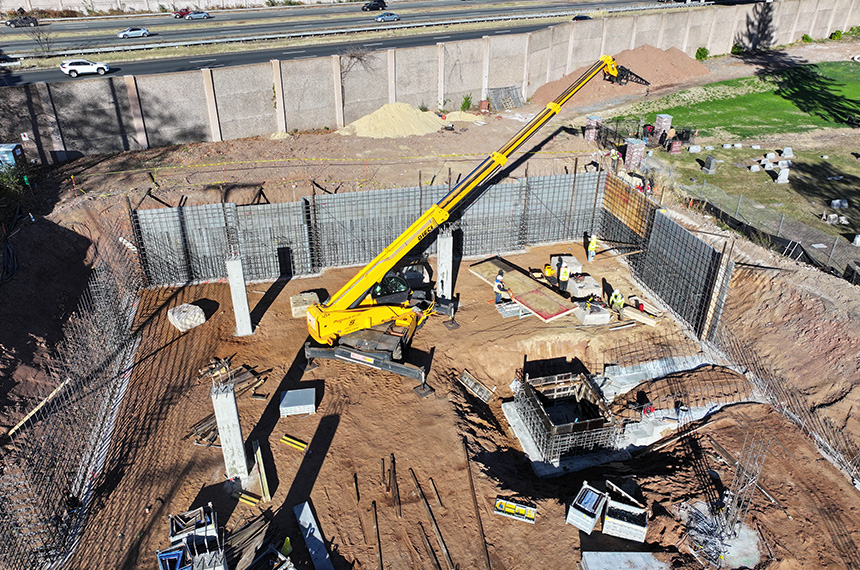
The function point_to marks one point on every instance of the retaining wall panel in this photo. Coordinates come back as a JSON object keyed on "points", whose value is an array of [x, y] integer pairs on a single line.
{"points": [[464, 64], [94, 116], [823, 17], [507, 58], [647, 30], [674, 24], [618, 33], [538, 55], [700, 30], [806, 19], [416, 71], [585, 47], [309, 93], [559, 41], [365, 85], [20, 107], [244, 97], [783, 16], [173, 112]]}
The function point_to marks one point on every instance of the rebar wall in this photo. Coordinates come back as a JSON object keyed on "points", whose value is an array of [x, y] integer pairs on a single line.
{"points": [[181, 245], [51, 461]]}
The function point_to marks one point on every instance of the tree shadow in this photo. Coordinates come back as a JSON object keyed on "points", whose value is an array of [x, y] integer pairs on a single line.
{"points": [[822, 182], [795, 79]]}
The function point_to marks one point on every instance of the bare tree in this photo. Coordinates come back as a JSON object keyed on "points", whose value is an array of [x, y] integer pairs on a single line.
{"points": [[43, 36]]}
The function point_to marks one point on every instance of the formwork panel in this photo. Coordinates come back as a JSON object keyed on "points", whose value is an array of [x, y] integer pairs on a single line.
{"points": [[560, 208], [493, 223]]}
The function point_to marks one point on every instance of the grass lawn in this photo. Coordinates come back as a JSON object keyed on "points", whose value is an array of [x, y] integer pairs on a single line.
{"points": [[777, 108], [798, 99]]}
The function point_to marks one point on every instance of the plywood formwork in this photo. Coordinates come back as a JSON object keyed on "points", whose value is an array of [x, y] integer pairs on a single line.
{"points": [[543, 302]]}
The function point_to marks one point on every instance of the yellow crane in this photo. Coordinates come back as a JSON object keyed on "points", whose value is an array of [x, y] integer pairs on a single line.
{"points": [[375, 313]]}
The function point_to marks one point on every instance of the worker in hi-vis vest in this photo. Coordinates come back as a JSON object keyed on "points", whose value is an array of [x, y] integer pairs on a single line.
{"points": [[616, 301], [592, 247], [563, 276]]}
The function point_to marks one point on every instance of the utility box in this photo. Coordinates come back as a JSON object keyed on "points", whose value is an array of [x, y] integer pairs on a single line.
{"points": [[586, 508], [11, 154], [625, 521], [298, 402]]}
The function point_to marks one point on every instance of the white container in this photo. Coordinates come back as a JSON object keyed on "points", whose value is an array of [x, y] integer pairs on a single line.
{"points": [[586, 508], [625, 521], [298, 402]]}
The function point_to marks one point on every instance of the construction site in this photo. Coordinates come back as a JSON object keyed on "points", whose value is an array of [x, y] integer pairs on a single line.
{"points": [[407, 350]]}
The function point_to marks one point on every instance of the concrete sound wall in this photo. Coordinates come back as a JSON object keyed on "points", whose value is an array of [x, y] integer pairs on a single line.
{"points": [[113, 114]]}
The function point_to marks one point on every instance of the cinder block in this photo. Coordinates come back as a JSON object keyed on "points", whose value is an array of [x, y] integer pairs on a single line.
{"points": [[300, 303], [592, 316]]}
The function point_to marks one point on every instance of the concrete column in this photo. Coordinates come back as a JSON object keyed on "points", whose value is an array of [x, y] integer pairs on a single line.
{"points": [[229, 430], [603, 38], [549, 56], [58, 146], [633, 33], [485, 71], [710, 45], [526, 61], [392, 76], [445, 262], [847, 24], [814, 18], [440, 73], [211, 105], [280, 106], [568, 65], [830, 21], [338, 90], [687, 31], [236, 277], [136, 110]]}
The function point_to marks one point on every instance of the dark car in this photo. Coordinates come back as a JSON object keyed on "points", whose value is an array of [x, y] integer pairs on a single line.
{"points": [[181, 13], [581, 17], [375, 5], [23, 22]]}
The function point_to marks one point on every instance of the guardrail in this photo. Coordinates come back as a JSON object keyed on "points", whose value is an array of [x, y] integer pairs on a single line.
{"points": [[342, 31]]}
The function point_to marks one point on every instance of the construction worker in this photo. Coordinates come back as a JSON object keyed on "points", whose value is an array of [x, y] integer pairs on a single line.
{"points": [[563, 276], [616, 301], [499, 286], [592, 247]]}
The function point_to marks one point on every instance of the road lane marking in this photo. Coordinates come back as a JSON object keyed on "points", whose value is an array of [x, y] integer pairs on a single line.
{"points": [[201, 60], [297, 51], [376, 44], [441, 37]]}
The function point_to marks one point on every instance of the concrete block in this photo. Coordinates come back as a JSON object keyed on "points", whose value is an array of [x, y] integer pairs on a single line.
{"points": [[737, 145], [583, 287], [572, 263], [298, 402], [299, 303], [694, 148], [186, 317], [727, 145], [594, 315], [755, 168], [755, 147], [787, 152]]}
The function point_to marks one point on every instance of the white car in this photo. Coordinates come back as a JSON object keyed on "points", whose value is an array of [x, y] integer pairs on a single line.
{"points": [[75, 67]]}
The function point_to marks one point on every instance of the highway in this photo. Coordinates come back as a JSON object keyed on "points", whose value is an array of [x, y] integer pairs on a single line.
{"points": [[100, 33]]}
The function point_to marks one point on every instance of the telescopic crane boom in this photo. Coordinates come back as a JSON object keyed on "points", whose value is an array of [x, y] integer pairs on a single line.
{"points": [[365, 302]]}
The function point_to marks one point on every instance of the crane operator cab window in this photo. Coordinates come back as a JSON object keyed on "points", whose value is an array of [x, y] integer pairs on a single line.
{"points": [[392, 290]]}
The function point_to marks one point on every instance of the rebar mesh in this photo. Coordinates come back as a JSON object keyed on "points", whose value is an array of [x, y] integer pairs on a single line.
{"points": [[52, 458]]}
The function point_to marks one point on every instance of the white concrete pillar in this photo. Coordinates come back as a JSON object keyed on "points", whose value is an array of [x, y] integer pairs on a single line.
{"points": [[445, 262], [526, 67], [392, 76], [440, 76], [136, 111], [229, 430], [236, 277], [280, 106], [338, 90], [485, 72], [211, 105]]}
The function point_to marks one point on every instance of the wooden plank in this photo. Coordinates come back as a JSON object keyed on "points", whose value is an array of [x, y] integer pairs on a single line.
{"points": [[543, 302], [632, 313]]}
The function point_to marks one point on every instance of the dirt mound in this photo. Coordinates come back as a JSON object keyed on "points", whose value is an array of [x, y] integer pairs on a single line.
{"points": [[394, 120], [661, 67], [463, 117]]}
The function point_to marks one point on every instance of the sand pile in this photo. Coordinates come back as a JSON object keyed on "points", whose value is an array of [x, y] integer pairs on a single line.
{"points": [[661, 67], [394, 120], [463, 117]]}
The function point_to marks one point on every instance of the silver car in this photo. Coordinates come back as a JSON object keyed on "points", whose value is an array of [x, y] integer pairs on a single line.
{"points": [[198, 15], [133, 33]]}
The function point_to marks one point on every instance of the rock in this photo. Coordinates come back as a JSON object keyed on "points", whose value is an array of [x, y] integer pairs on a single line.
{"points": [[186, 317]]}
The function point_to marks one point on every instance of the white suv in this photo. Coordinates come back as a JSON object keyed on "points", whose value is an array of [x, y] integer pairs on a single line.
{"points": [[75, 67]]}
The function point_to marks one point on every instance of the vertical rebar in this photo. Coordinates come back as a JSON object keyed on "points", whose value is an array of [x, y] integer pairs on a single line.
{"points": [[779, 229]]}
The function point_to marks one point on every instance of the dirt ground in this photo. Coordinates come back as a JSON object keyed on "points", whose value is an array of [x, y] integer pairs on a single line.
{"points": [[805, 323]]}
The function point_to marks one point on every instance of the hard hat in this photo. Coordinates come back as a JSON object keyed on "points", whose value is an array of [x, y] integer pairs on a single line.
{"points": [[616, 292]]}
